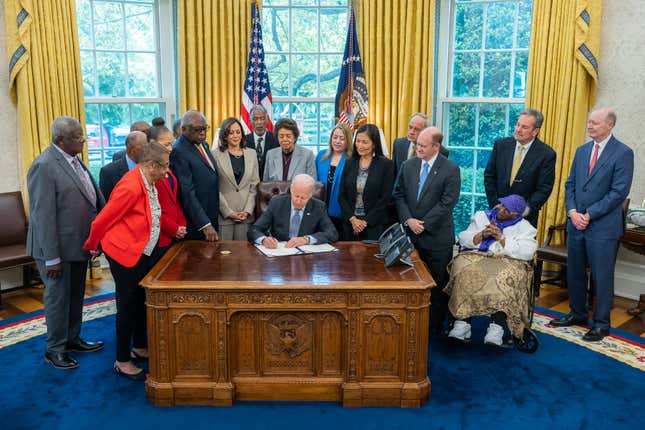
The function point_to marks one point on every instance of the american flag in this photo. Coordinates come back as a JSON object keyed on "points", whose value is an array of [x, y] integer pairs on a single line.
{"points": [[257, 90], [351, 96]]}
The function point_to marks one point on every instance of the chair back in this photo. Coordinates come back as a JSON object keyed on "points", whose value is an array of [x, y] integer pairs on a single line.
{"points": [[14, 220], [270, 189]]}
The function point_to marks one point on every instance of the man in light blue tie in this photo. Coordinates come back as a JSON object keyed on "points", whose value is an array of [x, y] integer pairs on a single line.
{"points": [[297, 219], [425, 192]]}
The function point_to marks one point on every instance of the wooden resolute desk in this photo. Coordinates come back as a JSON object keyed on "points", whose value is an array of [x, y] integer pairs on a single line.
{"points": [[326, 327]]}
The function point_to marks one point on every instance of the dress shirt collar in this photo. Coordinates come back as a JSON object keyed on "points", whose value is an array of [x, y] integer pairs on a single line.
{"points": [[603, 143], [68, 158], [129, 161], [526, 147], [430, 162]]}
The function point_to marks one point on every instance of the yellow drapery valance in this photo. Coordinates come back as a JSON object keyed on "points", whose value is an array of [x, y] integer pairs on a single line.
{"points": [[213, 48], [44, 70], [396, 39], [562, 83]]}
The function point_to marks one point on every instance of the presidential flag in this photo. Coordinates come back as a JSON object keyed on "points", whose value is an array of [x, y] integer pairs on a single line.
{"points": [[351, 96], [257, 90]]}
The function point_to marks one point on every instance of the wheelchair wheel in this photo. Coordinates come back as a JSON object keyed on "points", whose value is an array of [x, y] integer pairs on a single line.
{"points": [[529, 343]]}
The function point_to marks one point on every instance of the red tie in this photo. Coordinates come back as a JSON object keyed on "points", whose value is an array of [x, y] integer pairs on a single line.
{"points": [[594, 158], [200, 148]]}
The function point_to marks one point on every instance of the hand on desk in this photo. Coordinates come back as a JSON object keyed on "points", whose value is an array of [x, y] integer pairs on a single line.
{"points": [[210, 233], [270, 242], [296, 241]]}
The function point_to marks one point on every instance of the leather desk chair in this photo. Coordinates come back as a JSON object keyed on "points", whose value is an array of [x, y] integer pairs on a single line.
{"points": [[270, 189]]}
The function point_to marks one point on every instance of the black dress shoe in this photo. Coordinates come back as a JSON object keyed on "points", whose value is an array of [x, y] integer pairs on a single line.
{"points": [[595, 334], [61, 360], [84, 346], [567, 320], [141, 376]]}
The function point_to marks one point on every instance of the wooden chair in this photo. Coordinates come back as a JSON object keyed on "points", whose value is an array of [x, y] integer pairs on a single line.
{"points": [[13, 237], [557, 253], [270, 189]]}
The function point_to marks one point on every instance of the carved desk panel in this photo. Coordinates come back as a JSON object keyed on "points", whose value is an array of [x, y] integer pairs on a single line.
{"points": [[236, 325]]}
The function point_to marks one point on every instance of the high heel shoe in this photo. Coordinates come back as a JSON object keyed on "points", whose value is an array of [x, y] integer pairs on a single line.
{"points": [[140, 376]]}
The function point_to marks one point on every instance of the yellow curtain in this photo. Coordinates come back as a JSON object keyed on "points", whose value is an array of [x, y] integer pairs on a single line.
{"points": [[44, 70], [213, 48], [396, 39], [562, 83]]}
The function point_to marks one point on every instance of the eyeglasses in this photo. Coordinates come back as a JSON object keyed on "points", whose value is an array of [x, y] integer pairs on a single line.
{"points": [[162, 165], [203, 129]]}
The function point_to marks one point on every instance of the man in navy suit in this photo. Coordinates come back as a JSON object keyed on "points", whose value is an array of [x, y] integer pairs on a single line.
{"points": [[599, 181], [193, 164], [112, 172], [261, 139], [523, 165], [405, 147]]}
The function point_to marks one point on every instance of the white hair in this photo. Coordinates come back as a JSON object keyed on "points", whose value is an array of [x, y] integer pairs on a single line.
{"points": [[303, 179]]}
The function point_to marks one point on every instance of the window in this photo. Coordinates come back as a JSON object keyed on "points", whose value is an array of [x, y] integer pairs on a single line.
{"points": [[484, 60], [121, 60], [304, 42]]}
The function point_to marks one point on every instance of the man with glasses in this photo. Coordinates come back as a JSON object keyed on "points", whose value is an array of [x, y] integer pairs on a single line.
{"points": [[406, 147], [193, 164], [262, 140]]}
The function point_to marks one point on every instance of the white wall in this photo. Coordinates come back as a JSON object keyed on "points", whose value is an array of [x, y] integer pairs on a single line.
{"points": [[622, 86]]}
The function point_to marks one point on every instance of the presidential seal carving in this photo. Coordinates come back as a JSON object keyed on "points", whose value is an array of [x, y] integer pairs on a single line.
{"points": [[288, 334]]}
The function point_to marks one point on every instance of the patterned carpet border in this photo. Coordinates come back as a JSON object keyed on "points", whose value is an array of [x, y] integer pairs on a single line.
{"points": [[615, 346]]}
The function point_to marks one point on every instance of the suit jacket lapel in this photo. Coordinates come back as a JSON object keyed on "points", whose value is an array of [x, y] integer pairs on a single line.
{"points": [[295, 161], [67, 168], [306, 224], [431, 175], [509, 154], [198, 154], [607, 154], [227, 167]]}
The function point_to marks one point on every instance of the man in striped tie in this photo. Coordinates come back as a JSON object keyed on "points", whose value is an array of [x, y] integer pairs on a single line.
{"points": [[598, 184], [193, 164]]}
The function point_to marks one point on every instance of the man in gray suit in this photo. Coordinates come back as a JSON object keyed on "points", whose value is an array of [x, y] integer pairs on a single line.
{"points": [[405, 147], [296, 218], [63, 200], [426, 191]]}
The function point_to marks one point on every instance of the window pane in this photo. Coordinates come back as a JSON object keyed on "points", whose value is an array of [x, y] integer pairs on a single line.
{"points": [[326, 123], [89, 73], [142, 75], [281, 110], [146, 112], [116, 122], [329, 74], [274, 3], [333, 2], [275, 29], [482, 161], [481, 203], [306, 115], [108, 25], [139, 22], [333, 27], [304, 24], [95, 163], [500, 19], [465, 81], [514, 114], [524, 23], [497, 70], [461, 213], [278, 70], [84, 13], [461, 124], [521, 74], [304, 74], [492, 123], [304, 2], [111, 74], [464, 158], [91, 113], [468, 26]]}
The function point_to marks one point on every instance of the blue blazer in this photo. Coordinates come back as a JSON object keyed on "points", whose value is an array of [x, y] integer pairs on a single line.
{"points": [[322, 169], [601, 193]]}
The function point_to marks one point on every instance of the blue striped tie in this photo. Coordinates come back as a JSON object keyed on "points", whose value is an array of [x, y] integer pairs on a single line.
{"points": [[422, 178]]}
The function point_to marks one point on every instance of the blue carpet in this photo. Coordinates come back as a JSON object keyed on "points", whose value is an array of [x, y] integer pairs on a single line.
{"points": [[561, 386]]}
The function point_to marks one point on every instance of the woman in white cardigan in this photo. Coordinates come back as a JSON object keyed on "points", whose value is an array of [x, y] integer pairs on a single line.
{"points": [[491, 275], [238, 180]]}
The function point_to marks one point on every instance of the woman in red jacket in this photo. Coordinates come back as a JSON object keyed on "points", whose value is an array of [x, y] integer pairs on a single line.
{"points": [[173, 221], [127, 230]]}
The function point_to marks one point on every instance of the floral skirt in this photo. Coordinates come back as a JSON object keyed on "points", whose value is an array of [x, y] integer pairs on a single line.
{"points": [[482, 284]]}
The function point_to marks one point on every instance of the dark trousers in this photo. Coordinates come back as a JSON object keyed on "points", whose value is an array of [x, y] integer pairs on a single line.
{"points": [[600, 256], [130, 305], [63, 299], [338, 223], [437, 261]]}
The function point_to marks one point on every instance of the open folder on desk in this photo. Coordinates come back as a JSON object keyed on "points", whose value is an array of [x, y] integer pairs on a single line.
{"points": [[282, 250]]}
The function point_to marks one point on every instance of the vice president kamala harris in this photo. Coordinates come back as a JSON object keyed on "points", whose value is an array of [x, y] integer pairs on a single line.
{"points": [[127, 230]]}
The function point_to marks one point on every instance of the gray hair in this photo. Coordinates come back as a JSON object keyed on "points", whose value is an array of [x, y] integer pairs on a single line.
{"points": [[189, 117], [152, 151], [258, 107], [303, 179], [539, 118], [63, 126], [421, 115]]}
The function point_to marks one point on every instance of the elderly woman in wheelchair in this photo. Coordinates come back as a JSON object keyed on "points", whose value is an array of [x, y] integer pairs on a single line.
{"points": [[492, 273]]}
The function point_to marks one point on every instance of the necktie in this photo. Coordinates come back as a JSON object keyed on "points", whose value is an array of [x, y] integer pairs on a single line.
{"points": [[84, 180], [200, 148], [422, 178], [594, 158], [517, 162], [412, 152], [258, 147], [294, 225]]}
